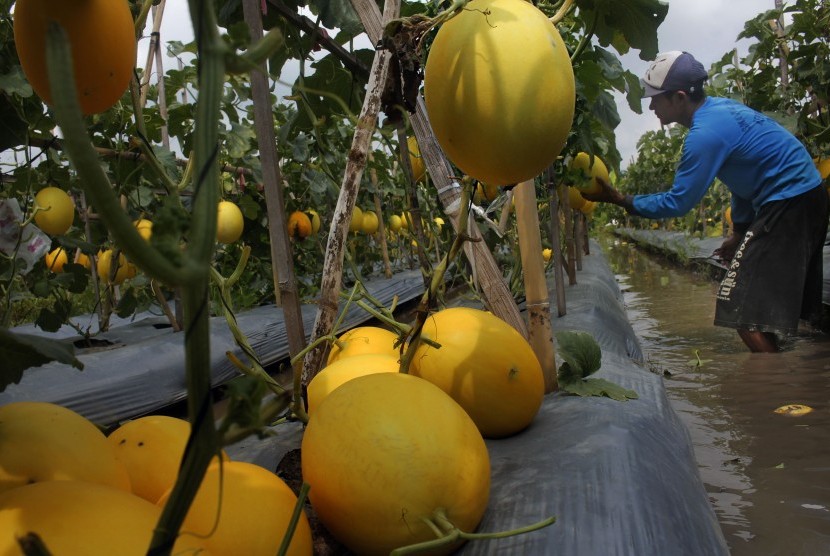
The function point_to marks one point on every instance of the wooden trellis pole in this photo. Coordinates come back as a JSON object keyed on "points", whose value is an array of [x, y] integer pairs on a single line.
{"points": [[153, 52], [570, 251], [540, 334], [158, 11], [282, 265], [381, 234], [578, 238], [556, 246]]}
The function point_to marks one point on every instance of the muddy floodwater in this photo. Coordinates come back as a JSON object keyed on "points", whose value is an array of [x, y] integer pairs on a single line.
{"points": [[767, 474]]}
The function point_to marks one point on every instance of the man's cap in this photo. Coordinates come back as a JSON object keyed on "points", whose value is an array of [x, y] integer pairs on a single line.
{"points": [[673, 71]]}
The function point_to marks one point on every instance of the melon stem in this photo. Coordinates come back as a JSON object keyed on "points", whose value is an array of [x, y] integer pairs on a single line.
{"points": [[448, 533]]}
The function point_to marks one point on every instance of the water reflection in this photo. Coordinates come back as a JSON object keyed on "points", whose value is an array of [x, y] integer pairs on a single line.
{"points": [[767, 475]]}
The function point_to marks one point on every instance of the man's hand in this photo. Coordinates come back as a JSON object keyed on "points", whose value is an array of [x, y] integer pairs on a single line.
{"points": [[607, 194], [727, 249]]}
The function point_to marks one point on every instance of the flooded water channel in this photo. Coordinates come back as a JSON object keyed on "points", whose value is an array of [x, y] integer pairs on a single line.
{"points": [[767, 474]]}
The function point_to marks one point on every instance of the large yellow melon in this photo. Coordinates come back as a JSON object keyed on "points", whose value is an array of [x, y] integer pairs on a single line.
{"points": [[74, 518], [242, 508], [151, 448], [485, 365], [499, 91], [42, 441]]}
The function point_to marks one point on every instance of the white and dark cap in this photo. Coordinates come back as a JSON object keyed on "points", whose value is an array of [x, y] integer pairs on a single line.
{"points": [[673, 71]]}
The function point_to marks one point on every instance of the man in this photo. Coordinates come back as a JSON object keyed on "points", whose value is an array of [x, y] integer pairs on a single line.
{"points": [[779, 207]]}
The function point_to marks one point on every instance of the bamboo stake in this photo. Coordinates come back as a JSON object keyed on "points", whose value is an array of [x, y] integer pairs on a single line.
{"points": [[505, 212], [100, 308], [494, 287], [577, 226], [778, 27], [176, 317], [556, 244], [540, 334], [282, 258], [569, 234], [162, 95], [496, 292], [413, 214], [338, 232], [384, 248], [586, 239], [153, 49]]}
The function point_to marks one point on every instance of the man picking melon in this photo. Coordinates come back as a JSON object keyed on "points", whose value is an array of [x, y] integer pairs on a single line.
{"points": [[779, 207]]}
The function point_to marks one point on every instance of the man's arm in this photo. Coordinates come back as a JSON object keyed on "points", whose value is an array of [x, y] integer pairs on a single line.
{"points": [[608, 194]]}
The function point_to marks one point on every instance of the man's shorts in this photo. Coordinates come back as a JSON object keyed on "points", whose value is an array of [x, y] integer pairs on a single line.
{"points": [[776, 276]]}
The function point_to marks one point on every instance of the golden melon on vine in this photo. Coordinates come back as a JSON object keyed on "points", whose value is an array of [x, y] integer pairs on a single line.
{"points": [[370, 222], [230, 222], [101, 37], [419, 169], [362, 340], [499, 90], [299, 225], [356, 223], [56, 259], [590, 170], [56, 210], [573, 197], [485, 365]]}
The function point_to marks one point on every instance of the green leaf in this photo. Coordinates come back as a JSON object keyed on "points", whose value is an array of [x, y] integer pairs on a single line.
{"points": [[74, 279], [12, 128], [23, 351], [249, 206], [239, 140], [599, 387], [343, 92], [632, 21], [244, 395], [15, 83], [336, 14], [127, 304], [580, 352], [300, 147]]}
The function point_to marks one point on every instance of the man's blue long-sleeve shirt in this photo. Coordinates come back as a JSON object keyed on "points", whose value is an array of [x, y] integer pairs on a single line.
{"points": [[757, 159]]}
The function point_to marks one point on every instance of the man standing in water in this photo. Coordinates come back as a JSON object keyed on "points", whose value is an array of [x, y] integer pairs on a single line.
{"points": [[779, 207]]}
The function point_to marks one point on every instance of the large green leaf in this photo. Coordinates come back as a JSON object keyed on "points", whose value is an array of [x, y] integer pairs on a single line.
{"points": [[343, 93], [579, 351], [633, 22], [582, 356], [13, 129], [337, 14], [22, 351]]}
